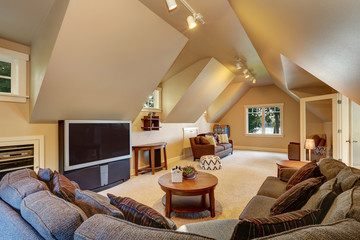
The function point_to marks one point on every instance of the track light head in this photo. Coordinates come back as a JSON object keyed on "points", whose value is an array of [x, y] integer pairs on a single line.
{"points": [[254, 80], [191, 22], [171, 4]]}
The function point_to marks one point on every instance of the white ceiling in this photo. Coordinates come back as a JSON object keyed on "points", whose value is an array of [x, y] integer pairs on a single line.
{"points": [[20, 20]]}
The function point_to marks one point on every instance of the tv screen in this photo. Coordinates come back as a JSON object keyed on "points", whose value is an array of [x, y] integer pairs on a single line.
{"points": [[89, 143]]}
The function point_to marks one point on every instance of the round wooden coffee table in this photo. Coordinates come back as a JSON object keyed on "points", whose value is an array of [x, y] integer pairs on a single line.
{"points": [[189, 196]]}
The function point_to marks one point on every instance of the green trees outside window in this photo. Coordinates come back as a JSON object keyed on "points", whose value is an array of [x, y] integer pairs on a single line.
{"points": [[5, 77], [264, 120]]}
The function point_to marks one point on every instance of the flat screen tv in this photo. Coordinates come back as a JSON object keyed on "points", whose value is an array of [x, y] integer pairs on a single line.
{"points": [[88, 142]]}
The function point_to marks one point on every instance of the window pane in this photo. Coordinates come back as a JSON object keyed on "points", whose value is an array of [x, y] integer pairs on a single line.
{"points": [[254, 120], [5, 69], [272, 121], [5, 85], [150, 102]]}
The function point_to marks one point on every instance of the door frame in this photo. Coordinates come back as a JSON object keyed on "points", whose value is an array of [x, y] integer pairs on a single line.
{"points": [[336, 121]]}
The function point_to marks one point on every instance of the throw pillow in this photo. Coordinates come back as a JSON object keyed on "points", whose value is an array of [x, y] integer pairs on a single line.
{"points": [[46, 175], [307, 171], [296, 197], [223, 138], [140, 214], [63, 187], [197, 140], [203, 140], [92, 203], [330, 167], [258, 227], [348, 177], [210, 139]]}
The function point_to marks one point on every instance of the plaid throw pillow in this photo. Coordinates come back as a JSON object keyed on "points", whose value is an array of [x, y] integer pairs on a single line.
{"points": [[63, 187], [296, 197], [307, 171], [260, 227], [140, 214]]}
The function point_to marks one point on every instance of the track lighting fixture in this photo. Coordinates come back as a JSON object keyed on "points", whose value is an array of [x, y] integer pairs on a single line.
{"points": [[171, 4], [248, 75], [192, 19]]}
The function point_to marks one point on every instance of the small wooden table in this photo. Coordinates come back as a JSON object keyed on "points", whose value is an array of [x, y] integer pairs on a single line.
{"points": [[149, 147], [289, 164], [198, 188]]}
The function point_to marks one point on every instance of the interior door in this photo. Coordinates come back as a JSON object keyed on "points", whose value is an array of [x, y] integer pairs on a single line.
{"points": [[355, 135]]}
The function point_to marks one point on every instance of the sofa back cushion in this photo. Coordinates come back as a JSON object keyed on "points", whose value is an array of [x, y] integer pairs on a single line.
{"points": [[296, 197], [348, 177], [92, 203], [330, 167], [51, 216], [115, 228], [309, 170], [15, 186], [140, 214], [259, 227], [346, 205]]}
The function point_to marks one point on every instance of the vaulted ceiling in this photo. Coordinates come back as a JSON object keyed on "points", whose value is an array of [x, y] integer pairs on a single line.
{"points": [[101, 59]]}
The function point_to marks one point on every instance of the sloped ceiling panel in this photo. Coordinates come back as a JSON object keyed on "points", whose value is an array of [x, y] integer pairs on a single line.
{"points": [[322, 37], [224, 102], [108, 57], [204, 89]]}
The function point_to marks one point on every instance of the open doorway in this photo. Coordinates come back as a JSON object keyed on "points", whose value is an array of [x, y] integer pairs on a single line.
{"points": [[319, 121]]}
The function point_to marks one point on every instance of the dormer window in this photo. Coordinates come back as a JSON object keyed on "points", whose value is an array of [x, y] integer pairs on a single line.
{"points": [[153, 104], [13, 75]]}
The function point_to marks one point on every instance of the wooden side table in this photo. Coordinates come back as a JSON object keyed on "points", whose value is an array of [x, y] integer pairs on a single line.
{"points": [[149, 147], [289, 164], [190, 195]]}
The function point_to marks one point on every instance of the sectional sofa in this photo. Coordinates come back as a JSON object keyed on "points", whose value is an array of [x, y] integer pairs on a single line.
{"points": [[29, 210]]}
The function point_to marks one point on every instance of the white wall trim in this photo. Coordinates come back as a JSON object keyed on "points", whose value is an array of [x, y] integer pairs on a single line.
{"points": [[262, 149]]}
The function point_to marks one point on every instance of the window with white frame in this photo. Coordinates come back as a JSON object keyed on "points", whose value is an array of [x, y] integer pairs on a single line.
{"points": [[13, 75], [153, 104], [264, 120]]}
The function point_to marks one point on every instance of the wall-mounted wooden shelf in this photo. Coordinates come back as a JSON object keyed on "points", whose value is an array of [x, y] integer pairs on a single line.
{"points": [[151, 123]]}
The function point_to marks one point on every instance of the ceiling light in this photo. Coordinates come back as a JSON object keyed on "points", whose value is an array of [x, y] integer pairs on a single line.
{"points": [[247, 76], [191, 22], [245, 71], [238, 66], [254, 81], [171, 4]]}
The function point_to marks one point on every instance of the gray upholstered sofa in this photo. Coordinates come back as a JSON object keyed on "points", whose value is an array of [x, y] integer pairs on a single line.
{"points": [[17, 224]]}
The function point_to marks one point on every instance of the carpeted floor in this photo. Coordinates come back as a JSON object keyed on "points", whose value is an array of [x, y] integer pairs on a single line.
{"points": [[239, 180]]}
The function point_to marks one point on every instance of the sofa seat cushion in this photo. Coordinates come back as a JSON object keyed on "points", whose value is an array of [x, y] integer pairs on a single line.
{"points": [[218, 229], [226, 145], [219, 148], [15, 186], [272, 187], [105, 227], [309, 170], [346, 205], [258, 206], [92, 203], [297, 196], [330, 167], [258, 227], [347, 229], [348, 177], [141, 214], [51, 216]]}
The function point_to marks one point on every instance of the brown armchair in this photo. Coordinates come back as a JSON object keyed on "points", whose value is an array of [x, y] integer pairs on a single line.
{"points": [[317, 153], [200, 149]]}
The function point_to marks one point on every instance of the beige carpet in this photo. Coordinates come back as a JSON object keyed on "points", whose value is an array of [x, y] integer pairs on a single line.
{"points": [[239, 180]]}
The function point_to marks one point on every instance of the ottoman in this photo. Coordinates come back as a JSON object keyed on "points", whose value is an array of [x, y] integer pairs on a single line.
{"points": [[210, 162]]}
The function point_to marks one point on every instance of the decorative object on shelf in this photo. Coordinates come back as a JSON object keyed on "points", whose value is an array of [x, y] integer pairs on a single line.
{"points": [[189, 172], [176, 174]]}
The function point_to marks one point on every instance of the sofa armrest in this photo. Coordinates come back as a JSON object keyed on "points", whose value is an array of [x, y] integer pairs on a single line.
{"points": [[286, 173], [105, 227], [200, 150]]}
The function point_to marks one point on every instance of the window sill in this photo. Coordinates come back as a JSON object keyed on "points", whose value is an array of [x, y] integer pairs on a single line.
{"points": [[151, 110], [12, 98], [264, 135]]}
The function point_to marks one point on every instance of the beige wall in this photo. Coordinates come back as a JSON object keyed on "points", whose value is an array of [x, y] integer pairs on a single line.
{"points": [[264, 95], [14, 119]]}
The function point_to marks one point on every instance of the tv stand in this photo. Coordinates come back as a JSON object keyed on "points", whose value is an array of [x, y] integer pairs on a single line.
{"points": [[100, 177]]}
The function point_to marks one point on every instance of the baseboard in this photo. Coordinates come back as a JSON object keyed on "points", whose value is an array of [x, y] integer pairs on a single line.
{"points": [[169, 161], [262, 149]]}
